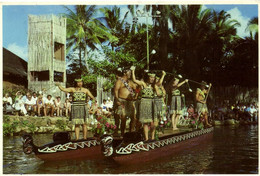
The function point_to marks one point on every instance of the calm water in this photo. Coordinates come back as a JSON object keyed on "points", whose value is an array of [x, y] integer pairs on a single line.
{"points": [[233, 150]]}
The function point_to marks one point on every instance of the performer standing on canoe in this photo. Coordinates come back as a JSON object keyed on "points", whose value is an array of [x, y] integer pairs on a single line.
{"points": [[79, 110], [147, 109], [201, 102], [175, 101], [124, 101], [160, 98]]}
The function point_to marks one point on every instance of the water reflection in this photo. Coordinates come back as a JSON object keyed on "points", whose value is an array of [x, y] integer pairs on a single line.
{"points": [[233, 149]]}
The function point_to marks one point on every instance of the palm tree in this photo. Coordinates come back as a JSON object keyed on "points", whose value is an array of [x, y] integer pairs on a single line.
{"points": [[252, 27], [244, 62], [191, 25], [84, 31], [116, 26], [223, 32]]}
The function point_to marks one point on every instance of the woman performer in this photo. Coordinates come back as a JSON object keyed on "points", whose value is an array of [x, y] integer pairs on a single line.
{"points": [[175, 102], [201, 102], [160, 98], [147, 109], [79, 110]]}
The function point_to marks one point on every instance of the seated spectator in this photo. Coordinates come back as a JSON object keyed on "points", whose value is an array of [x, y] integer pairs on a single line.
{"points": [[58, 106], [30, 104], [109, 104], [7, 103], [40, 105], [25, 97], [7, 100], [67, 107], [17, 95], [70, 99], [105, 109], [49, 106], [95, 110], [19, 106], [34, 96], [89, 102]]}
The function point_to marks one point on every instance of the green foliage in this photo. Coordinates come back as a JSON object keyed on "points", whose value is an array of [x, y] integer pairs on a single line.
{"points": [[197, 123], [61, 124], [32, 128], [24, 123], [107, 85], [6, 118], [161, 127], [201, 45], [9, 128]]}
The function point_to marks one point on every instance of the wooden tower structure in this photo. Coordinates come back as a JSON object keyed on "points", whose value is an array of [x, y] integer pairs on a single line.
{"points": [[46, 53]]}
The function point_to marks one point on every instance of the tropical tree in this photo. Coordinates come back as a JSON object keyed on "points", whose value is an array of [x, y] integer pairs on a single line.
{"points": [[190, 26], [252, 27], [243, 66], [117, 26], [84, 31], [219, 41]]}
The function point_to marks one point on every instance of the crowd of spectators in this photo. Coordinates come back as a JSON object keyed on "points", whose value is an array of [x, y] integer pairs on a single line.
{"points": [[246, 112], [241, 111], [33, 104]]}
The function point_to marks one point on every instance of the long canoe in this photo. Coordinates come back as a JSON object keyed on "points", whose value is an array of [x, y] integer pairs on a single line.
{"points": [[134, 152], [62, 148]]}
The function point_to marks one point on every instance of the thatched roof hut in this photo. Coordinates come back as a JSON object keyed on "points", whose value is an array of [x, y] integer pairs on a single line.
{"points": [[14, 68]]}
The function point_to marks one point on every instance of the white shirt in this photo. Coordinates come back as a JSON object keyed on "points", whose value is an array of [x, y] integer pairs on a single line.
{"points": [[35, 98], [104, 107], [48, 101], [109, 104], [252, 110], [18, 104], [57, 104], [9, 100], [30, 102]]}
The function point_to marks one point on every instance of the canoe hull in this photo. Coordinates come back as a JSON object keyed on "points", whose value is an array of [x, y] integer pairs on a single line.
{"points": [[163, 151], [85, 153]]}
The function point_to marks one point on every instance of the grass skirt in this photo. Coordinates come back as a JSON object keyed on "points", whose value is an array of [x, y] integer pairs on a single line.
{"points": [[201, 108], [79, 113], [127, 108], [175, 105], [160, 107], [147, 110]]}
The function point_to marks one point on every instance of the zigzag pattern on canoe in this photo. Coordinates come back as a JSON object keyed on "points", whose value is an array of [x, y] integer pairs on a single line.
{"points": [[69, 145], [141, 146]]}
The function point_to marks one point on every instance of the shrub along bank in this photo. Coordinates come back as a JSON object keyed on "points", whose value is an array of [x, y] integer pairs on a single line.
{"points": [[15, 125]]}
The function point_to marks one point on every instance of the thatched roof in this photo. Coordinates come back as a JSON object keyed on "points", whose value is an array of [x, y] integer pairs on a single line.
{"points": [[13, 64]]}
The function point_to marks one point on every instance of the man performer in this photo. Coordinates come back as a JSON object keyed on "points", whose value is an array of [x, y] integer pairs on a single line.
{"points": [[79, 110], [124, 101], [201, 102]]}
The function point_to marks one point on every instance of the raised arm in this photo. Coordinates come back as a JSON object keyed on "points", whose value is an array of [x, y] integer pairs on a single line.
{"points": [[70, 89], [162, 78], [180, 84], [140, 83]]}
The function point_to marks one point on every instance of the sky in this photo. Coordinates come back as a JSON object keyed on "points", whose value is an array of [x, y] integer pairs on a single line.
{"points": [[15, 21]]}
